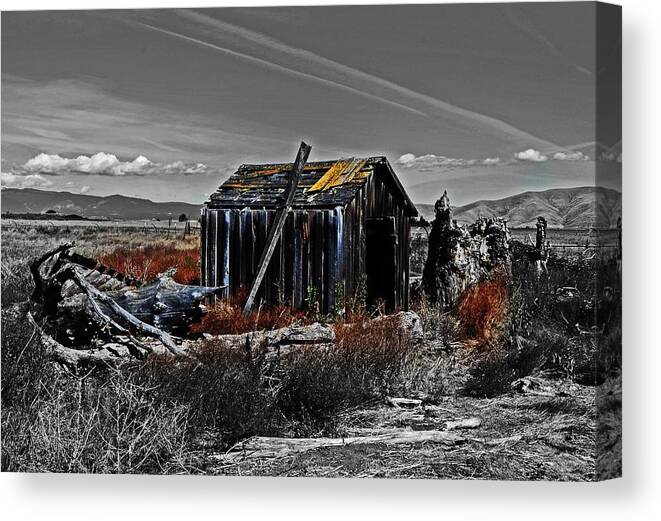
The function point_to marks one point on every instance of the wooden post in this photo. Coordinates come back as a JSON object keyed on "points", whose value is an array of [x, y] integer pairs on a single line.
{"points": [[278, 223]]}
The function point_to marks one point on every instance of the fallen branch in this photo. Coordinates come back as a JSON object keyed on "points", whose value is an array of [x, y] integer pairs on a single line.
{"points": [[273, 340], [403, 403], [270, 447], [466, 423]]}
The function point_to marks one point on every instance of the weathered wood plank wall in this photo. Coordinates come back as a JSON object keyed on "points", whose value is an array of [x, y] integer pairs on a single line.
{"points": [[322, 251], [308, 260]]}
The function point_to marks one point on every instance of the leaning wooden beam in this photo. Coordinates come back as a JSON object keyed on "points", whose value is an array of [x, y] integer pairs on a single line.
{"points": [[270, 447], [279, 222], [93, 293]]}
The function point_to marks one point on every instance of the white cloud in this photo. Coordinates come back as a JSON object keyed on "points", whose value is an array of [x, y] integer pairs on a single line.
{"points": [[491, 161], [85, 189], [570, 156], [430, 160], [406, 159], [531, 155], [12, 180], [107, 164]]}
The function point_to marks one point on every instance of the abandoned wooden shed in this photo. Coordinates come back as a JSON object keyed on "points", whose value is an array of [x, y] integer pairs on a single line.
{"points": [[344, 235]]}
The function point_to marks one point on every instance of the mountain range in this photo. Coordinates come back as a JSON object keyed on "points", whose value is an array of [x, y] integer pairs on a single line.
{"points": [[120, 207], [581, 207], [562, 207]]}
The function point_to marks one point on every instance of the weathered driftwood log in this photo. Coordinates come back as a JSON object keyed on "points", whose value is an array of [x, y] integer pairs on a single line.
{"points": [[270, 447], [164, 303], [81, 299], [279, 341], [459, 256], [95, 295], [68, 356], [466, 423], [403, 403]]}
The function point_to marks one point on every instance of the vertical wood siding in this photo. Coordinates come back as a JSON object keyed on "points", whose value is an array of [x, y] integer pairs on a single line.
{"points": [[309, 258], [320, 250]]}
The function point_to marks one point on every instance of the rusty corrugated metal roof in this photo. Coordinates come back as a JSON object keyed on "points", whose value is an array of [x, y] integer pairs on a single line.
{"points": [[322, 184]]}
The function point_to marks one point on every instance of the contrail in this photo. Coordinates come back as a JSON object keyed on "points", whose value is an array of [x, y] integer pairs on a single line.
{"points": [[345, 74], [521, 22], [275, 66]]}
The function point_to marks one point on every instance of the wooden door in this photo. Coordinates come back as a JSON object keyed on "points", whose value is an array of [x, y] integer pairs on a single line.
{"points": [[381, 262]]}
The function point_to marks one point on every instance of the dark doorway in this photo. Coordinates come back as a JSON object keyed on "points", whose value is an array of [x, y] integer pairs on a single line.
{"points": [[381, 262]]}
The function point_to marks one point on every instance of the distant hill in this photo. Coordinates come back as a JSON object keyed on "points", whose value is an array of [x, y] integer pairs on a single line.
{"points": [[562, 208], [29, 200]]}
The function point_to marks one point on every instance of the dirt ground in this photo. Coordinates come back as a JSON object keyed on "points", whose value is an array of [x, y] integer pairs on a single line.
{"points": [[521, 437]]}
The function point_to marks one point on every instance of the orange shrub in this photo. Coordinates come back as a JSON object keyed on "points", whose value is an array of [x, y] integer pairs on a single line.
{"points": [[146, 262], [226, 318], [482, 310]]}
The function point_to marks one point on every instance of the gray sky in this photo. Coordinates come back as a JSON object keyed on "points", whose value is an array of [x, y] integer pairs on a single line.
{"points": [[484, 100]]}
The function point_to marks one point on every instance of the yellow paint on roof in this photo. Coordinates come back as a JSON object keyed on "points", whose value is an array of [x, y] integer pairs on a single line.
{"points": [[341, 172]]}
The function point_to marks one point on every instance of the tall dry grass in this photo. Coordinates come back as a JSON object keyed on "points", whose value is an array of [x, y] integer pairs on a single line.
{"points": [[144, 263], [242, 392]]}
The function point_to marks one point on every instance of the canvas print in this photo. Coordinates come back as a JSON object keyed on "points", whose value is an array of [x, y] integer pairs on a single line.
{"points": [[331, 241]]}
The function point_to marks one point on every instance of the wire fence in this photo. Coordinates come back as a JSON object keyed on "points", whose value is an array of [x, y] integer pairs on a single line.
{"points": [[114, 227]]}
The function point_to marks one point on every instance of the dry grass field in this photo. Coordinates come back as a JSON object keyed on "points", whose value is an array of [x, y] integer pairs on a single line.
{"points": [[511, 355]]}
